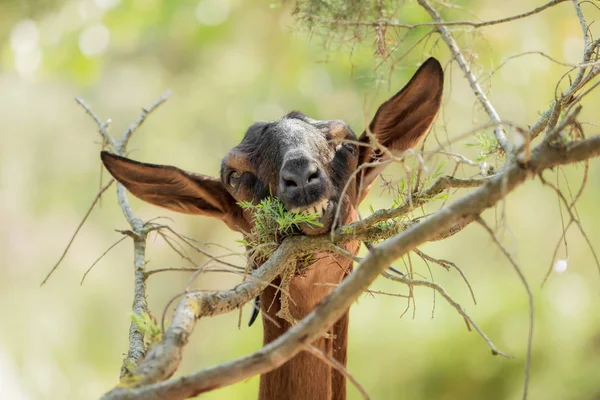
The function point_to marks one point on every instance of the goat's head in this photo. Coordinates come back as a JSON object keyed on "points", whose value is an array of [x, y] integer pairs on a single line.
{"points": [[304, 162]]}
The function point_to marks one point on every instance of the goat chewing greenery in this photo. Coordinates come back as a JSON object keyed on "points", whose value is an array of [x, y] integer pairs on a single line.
{"points": [[272, 223]]}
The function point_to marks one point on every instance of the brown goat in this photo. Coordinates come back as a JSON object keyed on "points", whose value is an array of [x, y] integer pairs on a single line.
{"points": [[305, 163]]}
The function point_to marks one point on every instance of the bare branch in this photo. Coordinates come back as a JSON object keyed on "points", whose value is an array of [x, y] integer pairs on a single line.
{"points": [[101, 125], [122, 146], [584, 25], [450, 300], [479, 93], [138, 232], [441, 184]]}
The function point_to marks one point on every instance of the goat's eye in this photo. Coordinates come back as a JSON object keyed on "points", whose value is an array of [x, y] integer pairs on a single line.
{"points": [[234, 178], [348, 146]]}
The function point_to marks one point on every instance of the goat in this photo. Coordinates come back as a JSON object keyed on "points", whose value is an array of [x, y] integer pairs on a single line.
{"points": [[306, 163]]}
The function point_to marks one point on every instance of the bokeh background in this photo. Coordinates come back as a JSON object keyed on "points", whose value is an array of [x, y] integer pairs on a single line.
{"points": [[229, 63]]}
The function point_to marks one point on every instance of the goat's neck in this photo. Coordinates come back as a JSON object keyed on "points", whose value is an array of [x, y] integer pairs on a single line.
{"points": [[305, 376]]}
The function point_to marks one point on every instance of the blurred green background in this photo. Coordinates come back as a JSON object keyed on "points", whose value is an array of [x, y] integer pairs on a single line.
{"points": [[229, 63]]}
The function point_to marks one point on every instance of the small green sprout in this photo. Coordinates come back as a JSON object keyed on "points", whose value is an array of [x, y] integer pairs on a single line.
{"points": [[272, 222], [487, 143]]}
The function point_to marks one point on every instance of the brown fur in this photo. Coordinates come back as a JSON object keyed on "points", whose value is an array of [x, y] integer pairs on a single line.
{"points": [[305, 376]]}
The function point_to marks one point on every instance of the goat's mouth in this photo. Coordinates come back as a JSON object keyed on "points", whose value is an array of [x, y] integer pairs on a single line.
{"points": [[324, 211]]}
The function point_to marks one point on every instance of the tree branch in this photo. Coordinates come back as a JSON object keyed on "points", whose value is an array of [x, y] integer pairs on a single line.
{"points": [[476, 25], [479, 93], [138, 232]]}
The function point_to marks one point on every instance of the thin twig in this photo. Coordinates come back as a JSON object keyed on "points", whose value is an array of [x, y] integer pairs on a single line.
{"points": [[101, 125], [573, 219], [479, 93], [85, 217], [476, 25], [100, 258], [122, 146], [170, 269], [450, 300], [529, 298], [335, 364], [447, 265]]}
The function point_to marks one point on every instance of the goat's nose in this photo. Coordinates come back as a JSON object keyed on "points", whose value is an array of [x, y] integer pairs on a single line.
{"points": [[299, 175], [301, 182]]}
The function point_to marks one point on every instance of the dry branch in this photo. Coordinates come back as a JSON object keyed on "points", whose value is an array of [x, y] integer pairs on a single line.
{"points": [[481, 96], [139, 231]]}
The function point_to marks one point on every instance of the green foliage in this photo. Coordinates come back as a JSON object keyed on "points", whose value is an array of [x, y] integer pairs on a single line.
{"points": [[352, 10], [386, 229], [272, 223], [487, 144], [438, 170], [149, 327]]}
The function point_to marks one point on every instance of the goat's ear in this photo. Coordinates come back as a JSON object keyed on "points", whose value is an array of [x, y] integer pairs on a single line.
{"points": [[403, 120], [175, 189]]}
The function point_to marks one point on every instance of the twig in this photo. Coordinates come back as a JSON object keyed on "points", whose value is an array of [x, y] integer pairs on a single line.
{"points": [[476, 25], [450, 300], [479, 93], [584, 25], [176, 250], [188, 241], [573, 219], [338, 367], [447, 265], [541, 53], [529, 298], [100, 258], [101, 125], [122, 146], [441, 184], [170, 269], [371, 292], [85, 217]]}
